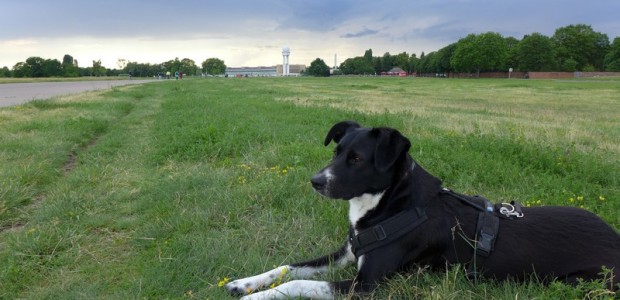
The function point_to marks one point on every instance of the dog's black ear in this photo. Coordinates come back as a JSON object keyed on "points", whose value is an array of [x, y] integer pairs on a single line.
{"points": [[339, 130], [390, 146]]}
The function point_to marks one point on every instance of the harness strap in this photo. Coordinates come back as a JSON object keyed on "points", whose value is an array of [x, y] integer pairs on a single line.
{"points": [[487, 229], [385, 232]]}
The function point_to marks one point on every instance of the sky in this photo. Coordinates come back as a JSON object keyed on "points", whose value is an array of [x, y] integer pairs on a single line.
{"points": [[253, 32]]}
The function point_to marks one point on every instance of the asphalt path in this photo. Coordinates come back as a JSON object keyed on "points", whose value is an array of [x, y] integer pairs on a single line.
{"points": [[20, 93]]}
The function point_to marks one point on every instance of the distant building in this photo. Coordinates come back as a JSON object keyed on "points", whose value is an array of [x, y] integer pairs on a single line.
{"points": [[251, 72], [396, 71], [294, 70]]}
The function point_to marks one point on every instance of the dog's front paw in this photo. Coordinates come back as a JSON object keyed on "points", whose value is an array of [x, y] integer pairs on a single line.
{"points": [[241, 287], [249, 285]]}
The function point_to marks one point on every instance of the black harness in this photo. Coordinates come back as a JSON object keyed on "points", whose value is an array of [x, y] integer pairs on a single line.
{"points": [[386, 231], [391, 229]]}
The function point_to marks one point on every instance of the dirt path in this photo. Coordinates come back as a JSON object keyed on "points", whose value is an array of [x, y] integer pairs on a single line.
{"points": [[19, 93]]}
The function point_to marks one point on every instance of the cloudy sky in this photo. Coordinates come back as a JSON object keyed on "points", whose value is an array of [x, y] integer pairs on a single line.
{"points": [[253, 32]]}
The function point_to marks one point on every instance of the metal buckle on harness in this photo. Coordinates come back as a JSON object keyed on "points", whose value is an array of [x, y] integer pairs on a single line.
{"points": [[510, 210]]}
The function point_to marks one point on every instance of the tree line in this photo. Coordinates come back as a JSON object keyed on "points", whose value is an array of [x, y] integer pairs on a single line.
{"points": [[69, 67], [571, 48]]}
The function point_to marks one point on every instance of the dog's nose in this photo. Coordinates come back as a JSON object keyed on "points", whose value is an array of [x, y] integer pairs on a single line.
{"points": [[318, 181]]}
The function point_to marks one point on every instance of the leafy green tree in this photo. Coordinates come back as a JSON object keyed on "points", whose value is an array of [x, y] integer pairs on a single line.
{"points": [[512, 47], [425, 63], [385, 64], [476, 53], [581, 44], [67, 60], [213, 66], [5, 72], [97, 69], [318, 68], [441, 61], [173, 65], [401, 60], [35, 65], [188, 66], [413, 63], [612, 59], [535, 53], [357, 66], [570, 65], [368, 55], [21, 69], [51, 68]]}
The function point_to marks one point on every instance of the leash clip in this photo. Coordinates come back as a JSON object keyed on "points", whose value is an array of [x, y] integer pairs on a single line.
{"points": [[511, 210]]}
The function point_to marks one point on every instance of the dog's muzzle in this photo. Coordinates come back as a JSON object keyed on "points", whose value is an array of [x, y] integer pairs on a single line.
{"points": [[319, 182]]}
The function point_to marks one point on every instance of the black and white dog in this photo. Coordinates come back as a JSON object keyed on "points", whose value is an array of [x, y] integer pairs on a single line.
{"points": [[401, 216]]}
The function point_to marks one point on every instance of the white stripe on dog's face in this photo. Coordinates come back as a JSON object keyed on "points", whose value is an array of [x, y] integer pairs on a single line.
{"points": [[328, 174], [360, 206]]}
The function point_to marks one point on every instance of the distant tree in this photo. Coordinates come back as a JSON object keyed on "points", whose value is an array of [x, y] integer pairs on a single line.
{"points": [[535, 53], [35, 65], [188, 66], [67, 60], [612, 59], [441, 61], [173, 65], [476, 53], [368, 55], [512, 47], [214, 66], [387, 63], [51, 68], [5, 72], [318, 68], [425, 63], [121, 63], [70, 70], [402, 61], [581, 44], [21, 69], [357, 66], [97, 69], [413, 63], [570, 65]]}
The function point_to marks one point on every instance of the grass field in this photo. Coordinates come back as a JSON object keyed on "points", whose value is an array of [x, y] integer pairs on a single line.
{"points": [[164, 190]]}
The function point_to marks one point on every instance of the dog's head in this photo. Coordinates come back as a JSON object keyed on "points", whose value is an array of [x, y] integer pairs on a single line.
{"points": [[365, 160]]}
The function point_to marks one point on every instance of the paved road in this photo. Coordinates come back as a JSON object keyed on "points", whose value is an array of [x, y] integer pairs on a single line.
{"points": [[19, 93]]}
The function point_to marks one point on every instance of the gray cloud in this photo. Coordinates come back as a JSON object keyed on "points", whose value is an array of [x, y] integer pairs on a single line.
{"points": [[244, 26], [362, 33]]}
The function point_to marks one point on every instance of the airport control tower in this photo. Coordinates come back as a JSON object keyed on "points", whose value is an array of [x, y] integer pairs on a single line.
{"points": [[285, 64]]}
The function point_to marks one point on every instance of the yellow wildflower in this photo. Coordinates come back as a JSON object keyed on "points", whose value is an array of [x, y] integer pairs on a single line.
{"points": [[601, 198], [223, 282]]}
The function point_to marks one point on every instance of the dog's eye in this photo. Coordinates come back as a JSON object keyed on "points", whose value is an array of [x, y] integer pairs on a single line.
{"points": [[355, 158]]}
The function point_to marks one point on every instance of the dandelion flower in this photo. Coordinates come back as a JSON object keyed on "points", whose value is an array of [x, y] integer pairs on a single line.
{"points": [[223, 282], [601, 198]]}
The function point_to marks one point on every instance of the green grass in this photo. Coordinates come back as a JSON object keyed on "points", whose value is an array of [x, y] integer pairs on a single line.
{"points": [[161, 190]]}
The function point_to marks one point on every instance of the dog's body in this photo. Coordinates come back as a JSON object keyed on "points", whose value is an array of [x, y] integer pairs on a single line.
{"points": [[374, 172]]}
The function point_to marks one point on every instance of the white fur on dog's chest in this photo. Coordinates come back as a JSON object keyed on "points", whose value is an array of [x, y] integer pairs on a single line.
{"points": [[360, 206]]}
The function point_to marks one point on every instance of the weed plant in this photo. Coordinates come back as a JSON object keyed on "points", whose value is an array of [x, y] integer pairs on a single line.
{"points": [[165, 190]]}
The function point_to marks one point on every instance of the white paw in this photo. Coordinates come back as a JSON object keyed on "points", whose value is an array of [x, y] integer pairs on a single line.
{"points": [[249, 285], [297, 288]]}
